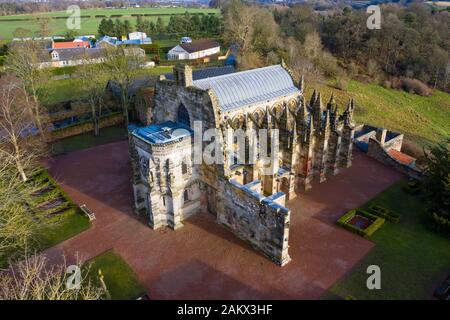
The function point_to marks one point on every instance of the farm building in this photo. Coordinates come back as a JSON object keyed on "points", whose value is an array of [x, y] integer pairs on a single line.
{"points": [[194, 50]]}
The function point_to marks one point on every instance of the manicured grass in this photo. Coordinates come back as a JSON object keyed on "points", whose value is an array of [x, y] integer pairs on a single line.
{"points": [[63, 230], [90, 25], [120, 279], [88, 140], [412, 258], [423, 119]]}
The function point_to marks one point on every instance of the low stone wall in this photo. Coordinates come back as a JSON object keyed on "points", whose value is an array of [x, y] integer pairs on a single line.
{"points": [[379, 153], [68, 109], [87, 126], [260, 220]]}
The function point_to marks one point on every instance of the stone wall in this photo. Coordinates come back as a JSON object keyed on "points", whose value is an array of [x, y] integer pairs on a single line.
{"points": [[169, 96], [378, 152], [68, 109], [261, 221], [79, 128]]}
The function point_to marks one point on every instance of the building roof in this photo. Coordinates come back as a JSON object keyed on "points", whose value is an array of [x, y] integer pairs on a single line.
{"points": [[207, 72], [71, 44], [72, 54], [166, 132], [199, 45], [240, 89], [401, 157]]}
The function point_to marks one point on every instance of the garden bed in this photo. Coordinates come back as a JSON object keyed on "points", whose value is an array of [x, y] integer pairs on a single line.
{"points": [[360, 222]]}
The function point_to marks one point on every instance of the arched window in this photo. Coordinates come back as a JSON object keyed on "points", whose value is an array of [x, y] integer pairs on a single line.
{"points": [[184, 168], [183, 116], [186, 195]]}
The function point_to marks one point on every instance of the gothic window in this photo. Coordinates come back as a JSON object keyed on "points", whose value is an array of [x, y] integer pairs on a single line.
{"points": [[183, 115], [184, 168], [186, 196]]}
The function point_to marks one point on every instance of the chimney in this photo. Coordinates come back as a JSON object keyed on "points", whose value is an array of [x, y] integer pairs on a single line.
{"points": [[183, 75]]}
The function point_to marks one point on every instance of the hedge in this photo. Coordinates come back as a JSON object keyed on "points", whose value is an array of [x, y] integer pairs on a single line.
{"points": [[68, 207], [377, 222], [384, 213]]}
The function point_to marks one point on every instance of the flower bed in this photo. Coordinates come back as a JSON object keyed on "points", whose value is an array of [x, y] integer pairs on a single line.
{"points": [[360, 222]]}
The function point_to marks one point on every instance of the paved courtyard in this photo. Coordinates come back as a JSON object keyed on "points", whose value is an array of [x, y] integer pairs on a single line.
{"points": [[202, 260]]}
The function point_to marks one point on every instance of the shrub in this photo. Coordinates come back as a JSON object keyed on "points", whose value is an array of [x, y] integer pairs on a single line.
{"points": [[382, 212], [411, 85]]}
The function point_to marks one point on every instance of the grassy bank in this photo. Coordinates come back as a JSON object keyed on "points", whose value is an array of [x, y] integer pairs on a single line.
{"points": [[412, 258], [423, 119]]}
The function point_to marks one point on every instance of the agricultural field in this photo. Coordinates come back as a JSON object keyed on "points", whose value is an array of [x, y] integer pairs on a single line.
{"points": [[89, 25], [422, 119]]}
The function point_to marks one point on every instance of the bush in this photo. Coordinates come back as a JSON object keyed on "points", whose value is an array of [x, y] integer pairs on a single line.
{"points": [[382, 212], [411, 85], [150, 48]]}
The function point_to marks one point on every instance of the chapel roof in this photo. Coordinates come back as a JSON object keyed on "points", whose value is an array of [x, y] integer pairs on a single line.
{"points": [[244, 88]]}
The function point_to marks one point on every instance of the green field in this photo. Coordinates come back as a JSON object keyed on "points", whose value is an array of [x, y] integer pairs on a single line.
{"points": [[119, 278], [422, 119], [89, 25], [412, 258]]}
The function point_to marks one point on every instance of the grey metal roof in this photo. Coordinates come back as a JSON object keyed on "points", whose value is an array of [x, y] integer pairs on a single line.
{"points": [[207, 72], [248, 87]]}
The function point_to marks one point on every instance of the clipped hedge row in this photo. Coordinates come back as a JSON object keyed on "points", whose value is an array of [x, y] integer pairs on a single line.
{"points": [[68, 206], [413, 187], [377, 222], [382, 212]]}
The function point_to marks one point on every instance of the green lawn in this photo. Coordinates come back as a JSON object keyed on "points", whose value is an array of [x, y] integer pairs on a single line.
{"points": [[63, 230], [412, 258], [88, 140], [423, 119], [69, 89], [90, 25], [120, 279]]}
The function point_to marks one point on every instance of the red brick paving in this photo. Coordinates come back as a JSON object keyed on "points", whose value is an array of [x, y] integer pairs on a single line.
{"points": [[204, 261]]}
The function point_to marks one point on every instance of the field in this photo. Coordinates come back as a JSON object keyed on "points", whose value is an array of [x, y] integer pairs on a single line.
{"points": [[88, 25], [422, 119], [412, 258]]}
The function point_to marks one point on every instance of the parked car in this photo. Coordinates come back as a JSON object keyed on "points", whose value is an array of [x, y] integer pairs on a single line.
{"points": [[443, 291], [186, 40]]}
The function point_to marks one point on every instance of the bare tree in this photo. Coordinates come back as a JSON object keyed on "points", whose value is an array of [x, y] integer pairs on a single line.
{"points": [[23, 61], [239, 19], [20, 144], [17, 227], [123, 65], [34, 278], [93, 78]]}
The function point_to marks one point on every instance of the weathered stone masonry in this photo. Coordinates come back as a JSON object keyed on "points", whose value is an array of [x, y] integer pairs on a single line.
{"points": [[314, 142]]}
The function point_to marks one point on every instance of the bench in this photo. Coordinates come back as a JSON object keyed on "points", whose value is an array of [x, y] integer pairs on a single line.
{"points": [[88, 212]]}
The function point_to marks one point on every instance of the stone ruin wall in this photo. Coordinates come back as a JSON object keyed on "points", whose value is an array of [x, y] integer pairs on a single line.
{"points": [[259, 220]]}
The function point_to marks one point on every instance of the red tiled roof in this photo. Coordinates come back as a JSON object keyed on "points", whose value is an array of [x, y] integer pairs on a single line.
{"points": [[69, 45], [401, 157]]}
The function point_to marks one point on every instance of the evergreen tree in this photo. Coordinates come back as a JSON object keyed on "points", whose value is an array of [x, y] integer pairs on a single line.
{"points": [[160, 27]]}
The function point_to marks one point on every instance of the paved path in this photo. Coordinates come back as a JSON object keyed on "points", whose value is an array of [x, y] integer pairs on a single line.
{"points": [[204, 261]]}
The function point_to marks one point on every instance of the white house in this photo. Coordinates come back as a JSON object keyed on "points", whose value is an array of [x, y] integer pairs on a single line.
{"points": [[194, 50]]}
